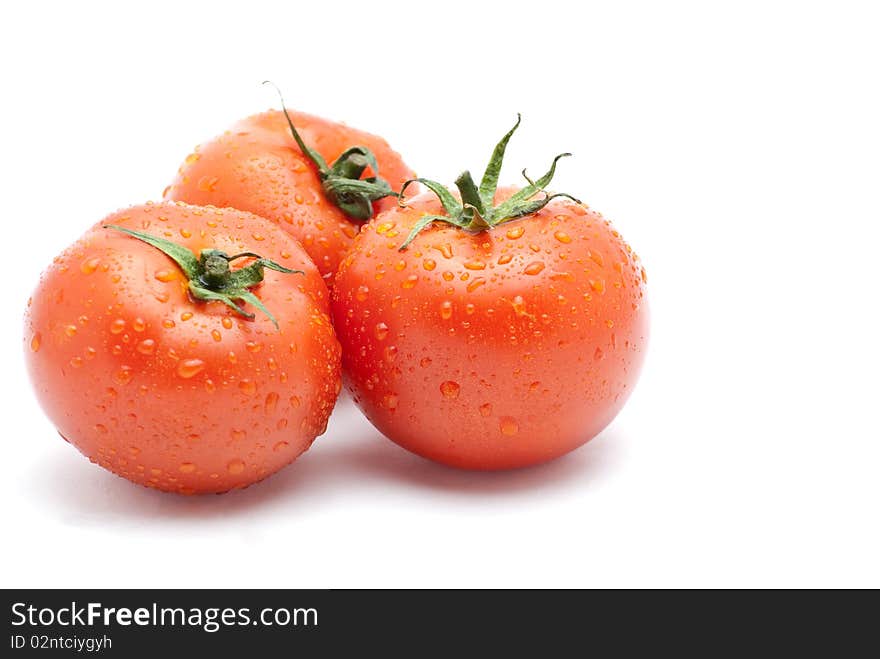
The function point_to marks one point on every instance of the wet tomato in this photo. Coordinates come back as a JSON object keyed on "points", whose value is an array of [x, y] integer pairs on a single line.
{"points": [[491, 329], [153, 347]]}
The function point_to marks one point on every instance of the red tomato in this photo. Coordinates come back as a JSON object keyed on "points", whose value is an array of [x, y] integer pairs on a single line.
{"points": [[174, 392], [257, 166], [491, 346]]}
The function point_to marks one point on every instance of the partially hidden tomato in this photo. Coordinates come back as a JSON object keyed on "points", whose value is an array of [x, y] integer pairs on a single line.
{"points": [[184, 348], [492, 329], [305, 173]]}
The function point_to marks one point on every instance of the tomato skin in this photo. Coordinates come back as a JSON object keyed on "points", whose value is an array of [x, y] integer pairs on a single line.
{"points": [[494, 350], [172, 393], [256, 166]]}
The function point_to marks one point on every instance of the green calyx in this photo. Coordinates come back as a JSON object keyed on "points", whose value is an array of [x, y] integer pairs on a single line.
{"points": [[477, 211], [210, 277], [342, 180]]}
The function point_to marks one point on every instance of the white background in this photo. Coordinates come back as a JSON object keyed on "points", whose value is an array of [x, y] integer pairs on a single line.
{"points": [[737, 148]]}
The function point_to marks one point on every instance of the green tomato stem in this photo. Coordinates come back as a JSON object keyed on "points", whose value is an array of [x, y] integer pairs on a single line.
{"points": [[477, 210], [341, 181], [209, 275]]}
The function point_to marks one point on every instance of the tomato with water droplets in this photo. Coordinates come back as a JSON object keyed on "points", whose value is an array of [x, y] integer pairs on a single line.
{"points": [[515, 345], [517, 318], [185, 385], [257, 166]]}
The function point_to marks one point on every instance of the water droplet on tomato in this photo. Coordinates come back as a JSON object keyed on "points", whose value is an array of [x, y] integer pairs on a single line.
{"points": [[362, 293], [226, 322], [123, 375], [215, 334], [165, 275], [474, 264], [235, 467], [486, 409], [188, 368], [270, 403], [534, 268], [450, 389], [562, 237], [515, 232], [280, 446], [208, 183], [390, 353], [253, 346], [117, 326], [248, 387], [186, 468], [508, 426], [381, 331], [88, 266], [390, 402], [519, 306], [409, 282], [36, 340], [146, 347], [446, 310]]}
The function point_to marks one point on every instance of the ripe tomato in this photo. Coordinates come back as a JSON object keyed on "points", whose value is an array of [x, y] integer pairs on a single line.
{"points": [[503, 336], [257, 166], [175, 392]]}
